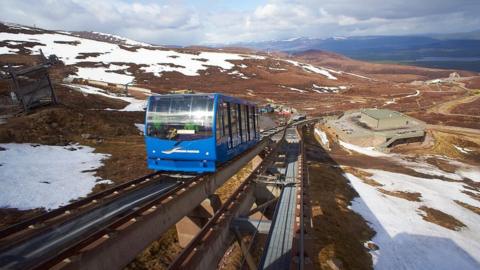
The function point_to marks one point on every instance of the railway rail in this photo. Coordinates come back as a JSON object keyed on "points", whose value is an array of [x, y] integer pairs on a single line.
{"points": [[36, 221], [42, 248], [107, 229]]}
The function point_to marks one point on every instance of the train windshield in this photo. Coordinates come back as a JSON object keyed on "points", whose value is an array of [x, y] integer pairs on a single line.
{"points": [[180, 118]]}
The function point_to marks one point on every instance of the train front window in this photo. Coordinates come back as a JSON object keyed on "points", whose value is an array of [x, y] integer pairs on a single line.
{"points": [[180, 118]]}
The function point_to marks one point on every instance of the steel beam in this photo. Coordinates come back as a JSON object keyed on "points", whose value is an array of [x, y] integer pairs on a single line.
{"points": [[220, 237], [245, 250], [190, 225]]}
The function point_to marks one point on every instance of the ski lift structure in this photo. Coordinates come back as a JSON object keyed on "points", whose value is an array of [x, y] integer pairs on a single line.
{"points": [[31, 86]]}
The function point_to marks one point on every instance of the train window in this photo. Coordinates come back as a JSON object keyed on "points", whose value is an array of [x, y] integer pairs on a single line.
{"points": [[219, 124], [224, 118], [244, 123], [240, 125], [247, 121], [229, 124], [159, 105], [227, 131], [252, 123], [223, 132], [234, 124], [180, 118], [244, 130], [256, 122]]}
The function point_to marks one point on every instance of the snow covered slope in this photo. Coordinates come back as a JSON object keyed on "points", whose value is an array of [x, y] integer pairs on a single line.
{"points": [[115, 59], [135, 105], [406, 240], [108, 38], [423, 220], [82, 52]]}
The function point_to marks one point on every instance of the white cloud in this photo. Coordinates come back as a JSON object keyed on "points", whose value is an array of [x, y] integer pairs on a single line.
{"points": [[209, 21]]}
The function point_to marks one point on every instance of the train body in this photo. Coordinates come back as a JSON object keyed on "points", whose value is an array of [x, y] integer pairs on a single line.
{"points": [[197, 132]]}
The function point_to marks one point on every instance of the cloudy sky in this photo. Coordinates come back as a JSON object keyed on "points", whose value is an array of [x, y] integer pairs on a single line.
{"points": [[228, 21]]}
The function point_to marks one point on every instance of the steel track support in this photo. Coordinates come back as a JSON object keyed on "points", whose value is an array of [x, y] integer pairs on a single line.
{"points": [[190, 225], [211, 250], [246, 253], [123, 246], [262, 206]]}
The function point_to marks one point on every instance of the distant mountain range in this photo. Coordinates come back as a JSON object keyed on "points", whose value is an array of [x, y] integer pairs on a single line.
{"points": [[452, 51]]}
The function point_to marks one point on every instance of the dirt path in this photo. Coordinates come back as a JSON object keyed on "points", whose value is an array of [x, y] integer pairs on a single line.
{"points": [[447, 107], [452, 129]]}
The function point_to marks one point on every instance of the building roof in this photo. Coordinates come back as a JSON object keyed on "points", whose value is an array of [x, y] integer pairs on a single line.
{"points": [[382, 113]]}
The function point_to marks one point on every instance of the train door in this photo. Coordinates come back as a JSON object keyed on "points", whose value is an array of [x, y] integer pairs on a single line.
{"points": [[257, 122], [247, 120], [229, 124], [241, 130], [234, 124], [244, 123], [253, 126], [220, 123]]}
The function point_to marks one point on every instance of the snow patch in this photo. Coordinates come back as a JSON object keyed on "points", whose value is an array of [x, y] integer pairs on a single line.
{"points": [[323, 138], [393, 101], [419, 165], [133, 106], [238, 74], [140, 127], [413, 95], [101, 74], [6, 50], [124, 40], [327, 89], [405, 240], [310, 68], [293, 89], [46, 176], [463, 150], [434, 81], [369, 151], [277, 69], [470, 173], [359, 76]]}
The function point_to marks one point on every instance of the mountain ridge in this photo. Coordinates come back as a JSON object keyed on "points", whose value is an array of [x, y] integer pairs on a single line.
{"points": [[447, 51]]}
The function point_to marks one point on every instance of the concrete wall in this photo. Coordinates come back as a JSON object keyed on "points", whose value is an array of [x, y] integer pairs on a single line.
{"points": [[365, 141], [388, 123], [368, 120]]}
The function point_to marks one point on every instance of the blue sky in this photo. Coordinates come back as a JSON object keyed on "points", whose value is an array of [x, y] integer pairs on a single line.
{"points": [[190, 22]]}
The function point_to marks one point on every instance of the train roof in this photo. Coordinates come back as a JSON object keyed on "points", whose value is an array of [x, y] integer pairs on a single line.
{"points": [[225, 97]]}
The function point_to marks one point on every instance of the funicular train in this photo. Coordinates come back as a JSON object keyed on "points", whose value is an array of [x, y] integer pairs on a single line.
{"points": [[196, 132]]}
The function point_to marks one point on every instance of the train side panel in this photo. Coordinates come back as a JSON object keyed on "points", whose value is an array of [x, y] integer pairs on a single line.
{"points": [[230, 141]]}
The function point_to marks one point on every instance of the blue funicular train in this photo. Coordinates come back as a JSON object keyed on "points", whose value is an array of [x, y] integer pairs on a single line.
{"points": [[196, 132]]}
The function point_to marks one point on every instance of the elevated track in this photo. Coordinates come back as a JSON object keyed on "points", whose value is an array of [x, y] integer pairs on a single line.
{"points": [[108, 229], [278, 182]]}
